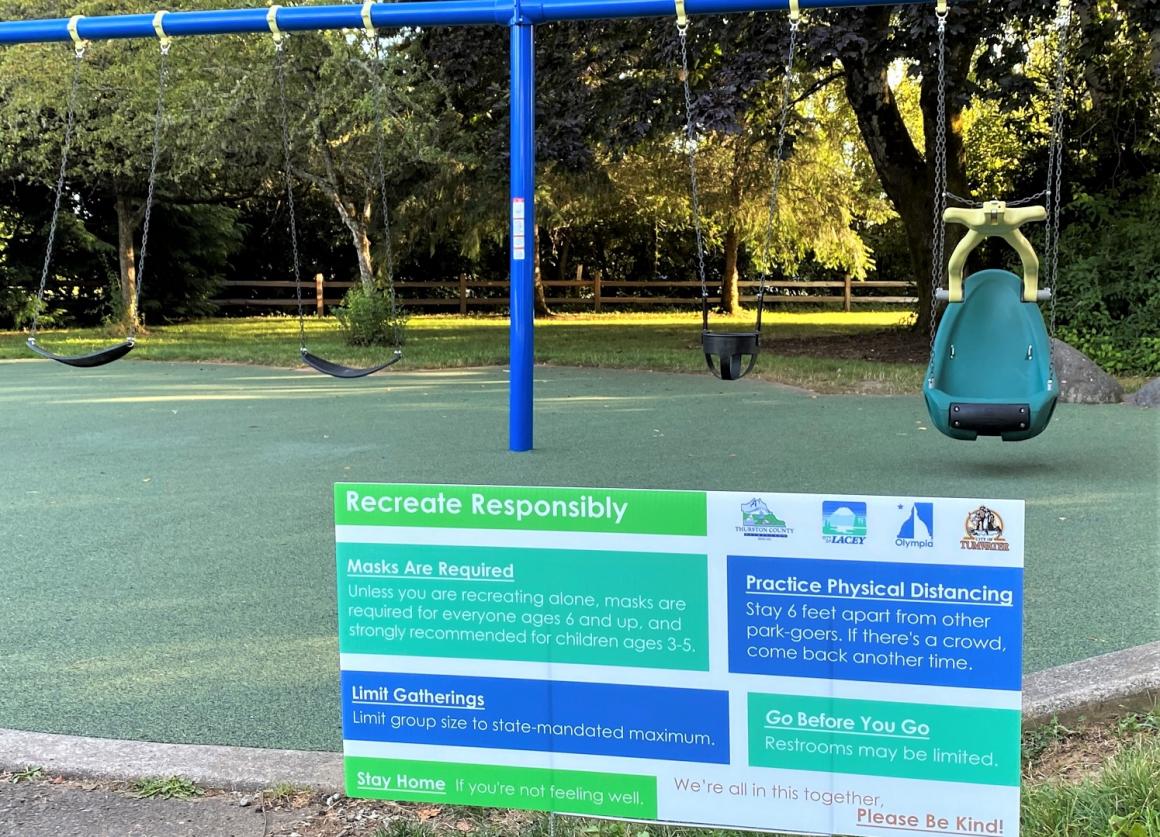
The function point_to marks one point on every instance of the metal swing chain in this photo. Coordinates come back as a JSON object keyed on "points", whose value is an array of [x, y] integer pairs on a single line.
{"points": [[1055, 166], [691, 145], [381, 171], [938, 247], [159, 116], [284, 124], [1024, 201], [69, 126], [783, 118], [1051, 192]]}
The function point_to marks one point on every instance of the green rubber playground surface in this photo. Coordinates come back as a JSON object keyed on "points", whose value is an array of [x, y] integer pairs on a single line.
{"points": [[166, 534]]}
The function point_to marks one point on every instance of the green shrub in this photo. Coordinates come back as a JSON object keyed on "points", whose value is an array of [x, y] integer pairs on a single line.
{"points": [[1117, 355], [17, 307], [1109, 278], [371, 318]]}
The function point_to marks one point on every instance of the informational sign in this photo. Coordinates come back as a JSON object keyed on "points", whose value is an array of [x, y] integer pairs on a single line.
{"points": [[792, 662]]}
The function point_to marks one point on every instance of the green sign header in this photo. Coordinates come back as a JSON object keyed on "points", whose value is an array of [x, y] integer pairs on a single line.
{"points": [[622, 511]]}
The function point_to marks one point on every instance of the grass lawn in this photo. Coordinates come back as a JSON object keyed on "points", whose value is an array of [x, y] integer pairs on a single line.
{"points": [[653, 341]]}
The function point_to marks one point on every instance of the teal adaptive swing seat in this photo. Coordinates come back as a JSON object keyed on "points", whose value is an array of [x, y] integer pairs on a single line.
{"points": [[991, 365]]}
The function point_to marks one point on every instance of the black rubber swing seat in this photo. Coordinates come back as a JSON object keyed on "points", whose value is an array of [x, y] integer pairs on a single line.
{"points": [[85, 361], [724, 352], [337, 370]]}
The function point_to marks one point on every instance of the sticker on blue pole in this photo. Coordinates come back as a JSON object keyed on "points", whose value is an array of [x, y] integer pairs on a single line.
{"points": [[518, 227]]}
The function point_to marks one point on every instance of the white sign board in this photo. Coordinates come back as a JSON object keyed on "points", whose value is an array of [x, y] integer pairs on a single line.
{"points": [[827, 664]]}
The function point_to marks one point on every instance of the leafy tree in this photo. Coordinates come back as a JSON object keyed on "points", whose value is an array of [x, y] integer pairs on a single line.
{"points": [[80, 257], [609, 118], [110, 152], [194, 241], [337, 88], [998, 62], [109, 160], [468, 200], [1112, 114]]}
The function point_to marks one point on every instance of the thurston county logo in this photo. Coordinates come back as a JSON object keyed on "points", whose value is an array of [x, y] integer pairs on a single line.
{"points": [[843, 521], [757, 521], [984, 530], [917, 529]]}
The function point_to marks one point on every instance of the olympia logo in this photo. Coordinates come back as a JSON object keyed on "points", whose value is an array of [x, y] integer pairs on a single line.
{"points": [[917, 529]]}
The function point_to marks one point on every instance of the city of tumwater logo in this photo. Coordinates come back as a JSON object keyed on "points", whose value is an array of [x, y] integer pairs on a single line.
{"points": [[843, 522], [917, 529], [984, 530], [757, 521]]}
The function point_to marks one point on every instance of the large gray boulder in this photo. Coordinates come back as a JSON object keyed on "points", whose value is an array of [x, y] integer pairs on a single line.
{"points": [[1148, 395], [1081, 381]]}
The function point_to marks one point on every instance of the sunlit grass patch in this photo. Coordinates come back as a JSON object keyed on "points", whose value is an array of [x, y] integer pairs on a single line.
{"points": [[659, 341]]}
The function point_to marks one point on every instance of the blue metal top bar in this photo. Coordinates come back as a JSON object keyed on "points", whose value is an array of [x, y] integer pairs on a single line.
{"points": [[539, 11], [389, 15]]}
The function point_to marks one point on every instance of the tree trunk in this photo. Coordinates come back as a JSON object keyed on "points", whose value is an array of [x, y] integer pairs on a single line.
{"points": [[359, 224], [366, 266], [902, 171], [127, 257], [565, 252], [541, 302], [357, 219], [907, 176], [1156, 52], [656, 265], [730, 295]]}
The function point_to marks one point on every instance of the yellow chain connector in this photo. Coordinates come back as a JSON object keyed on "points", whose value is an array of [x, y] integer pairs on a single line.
{"points": [[272, 22], [368, 23], [159, 28], [79, 43]]}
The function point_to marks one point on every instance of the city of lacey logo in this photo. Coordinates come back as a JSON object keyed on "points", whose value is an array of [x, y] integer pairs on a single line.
{"points": [[917, 529], [984, 530], [757, 521], [843, 521]]}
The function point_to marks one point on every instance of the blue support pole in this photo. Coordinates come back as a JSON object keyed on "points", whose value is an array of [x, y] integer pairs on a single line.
{"points": [[522, 215]]}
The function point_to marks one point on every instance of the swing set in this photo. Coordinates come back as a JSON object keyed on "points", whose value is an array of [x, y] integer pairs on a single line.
{"points": [[992, 363], [118, 351], [328, 367], [990, 371]]}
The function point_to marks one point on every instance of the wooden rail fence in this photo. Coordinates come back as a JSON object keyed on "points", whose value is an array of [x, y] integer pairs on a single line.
{"points": [[597, 293]]}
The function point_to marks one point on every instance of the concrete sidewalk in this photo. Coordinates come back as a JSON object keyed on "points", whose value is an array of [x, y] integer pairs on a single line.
{"points": [[42, 809]]}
